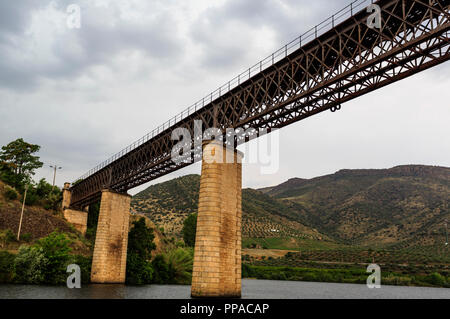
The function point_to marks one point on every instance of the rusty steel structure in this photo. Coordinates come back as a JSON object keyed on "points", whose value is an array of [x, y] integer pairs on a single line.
{"points": [[346, 60]]}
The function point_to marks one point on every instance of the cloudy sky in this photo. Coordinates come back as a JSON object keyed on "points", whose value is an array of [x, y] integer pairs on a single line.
{"points": [[84, 94]]}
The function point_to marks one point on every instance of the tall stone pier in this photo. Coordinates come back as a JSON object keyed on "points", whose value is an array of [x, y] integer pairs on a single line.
{"points": [[110, 250], [217, 254]]}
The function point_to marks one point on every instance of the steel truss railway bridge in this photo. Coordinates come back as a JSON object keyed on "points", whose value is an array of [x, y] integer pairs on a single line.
{"points": [[338, 60]]}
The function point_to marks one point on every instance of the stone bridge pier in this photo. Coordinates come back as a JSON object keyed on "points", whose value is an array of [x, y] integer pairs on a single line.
{"points": [[110, 250], [217, 254]]}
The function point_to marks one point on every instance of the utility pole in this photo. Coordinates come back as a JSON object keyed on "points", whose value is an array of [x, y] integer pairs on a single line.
{"points": [[55, 167], [21, 214], [446, 232]]}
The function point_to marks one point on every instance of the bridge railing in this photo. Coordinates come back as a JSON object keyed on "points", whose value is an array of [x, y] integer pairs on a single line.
{"points": [[297, 43]]}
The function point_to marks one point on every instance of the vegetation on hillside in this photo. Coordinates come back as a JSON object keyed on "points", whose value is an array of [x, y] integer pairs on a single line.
{"points": [[173, 266], [405, 204], [18, 163], [368, 207], [189, 230], [47, 243], [354, 275], [140, 246], [392, 217], [45, 262], [41, 255], [168, 205]]}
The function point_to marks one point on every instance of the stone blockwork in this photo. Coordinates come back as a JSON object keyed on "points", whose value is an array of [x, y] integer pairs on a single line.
{"points": [[67, 196], [77, 218], [110, 250], [217, 255]]}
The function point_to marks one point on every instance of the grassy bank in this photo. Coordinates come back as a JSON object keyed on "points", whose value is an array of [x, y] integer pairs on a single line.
{"points": [[352, 275]]}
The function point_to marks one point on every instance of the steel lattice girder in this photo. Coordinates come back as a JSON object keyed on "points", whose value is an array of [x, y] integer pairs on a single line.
{"points": [[346, 62]]}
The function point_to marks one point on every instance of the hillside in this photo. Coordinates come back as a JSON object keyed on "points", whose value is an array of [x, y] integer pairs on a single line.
{"points": [[37, 223], [386, 206], [402, 206], [169, 203]]}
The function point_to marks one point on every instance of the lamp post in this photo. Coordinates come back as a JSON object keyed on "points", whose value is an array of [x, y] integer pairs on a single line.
{"points": [[55, 167]]}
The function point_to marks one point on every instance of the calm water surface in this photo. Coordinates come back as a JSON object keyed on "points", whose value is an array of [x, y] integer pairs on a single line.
{"points": [[261, 289]]}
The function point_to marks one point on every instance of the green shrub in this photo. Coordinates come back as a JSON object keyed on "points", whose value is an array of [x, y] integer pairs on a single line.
{"points": [[44, 189], [10, 237], [139, 270], [32, 197], [436, 279], [8, 176], [56, 250], [30, 265], [180, 263], [26, 237], [247, 271], [180, 244], [161, 272], [6, 267], [46, 262], [189, 230], [53, 201], [85, 267], [140, 246], [303, 274], [10, 193]]}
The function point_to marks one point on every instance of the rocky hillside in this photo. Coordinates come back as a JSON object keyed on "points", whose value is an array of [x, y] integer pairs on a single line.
{"points": [[403, 206]]}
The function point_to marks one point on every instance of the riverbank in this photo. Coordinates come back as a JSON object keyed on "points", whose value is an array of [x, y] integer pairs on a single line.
{"points": [[343, 274]]}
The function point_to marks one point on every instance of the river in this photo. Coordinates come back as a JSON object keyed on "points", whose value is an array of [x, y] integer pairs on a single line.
{"points": [[251, 289]]}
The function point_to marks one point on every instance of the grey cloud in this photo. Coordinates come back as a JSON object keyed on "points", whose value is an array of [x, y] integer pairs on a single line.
{"points": [[96, 43], [287, 19], [15, 16]]}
